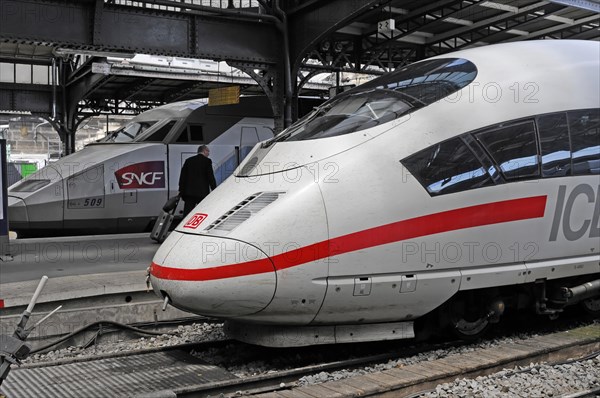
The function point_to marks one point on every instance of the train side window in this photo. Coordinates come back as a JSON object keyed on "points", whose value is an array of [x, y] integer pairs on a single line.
{"points": [[585, 141], [160, 134], [514, 149], [447, 167], [196, 133], [483, 157], [184, 137], [555, 145]]}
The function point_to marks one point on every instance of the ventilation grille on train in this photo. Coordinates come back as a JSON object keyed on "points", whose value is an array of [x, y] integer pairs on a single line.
{"points": [[244, 210]]}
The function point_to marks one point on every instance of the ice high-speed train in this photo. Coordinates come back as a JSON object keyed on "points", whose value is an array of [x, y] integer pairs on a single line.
{"points": [[121, 183], [441, 194]]}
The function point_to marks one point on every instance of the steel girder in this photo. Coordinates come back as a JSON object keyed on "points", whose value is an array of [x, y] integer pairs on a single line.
{"points": [[315, 20], [428, 15], [164, 27], [422, 32], [559, 28], [87, 107], [26, 97], [361, 51], [583, 4], [482, 24], [99, 26]]}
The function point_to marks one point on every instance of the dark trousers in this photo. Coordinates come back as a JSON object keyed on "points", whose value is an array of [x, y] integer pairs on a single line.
{"points": [[189, 203]]}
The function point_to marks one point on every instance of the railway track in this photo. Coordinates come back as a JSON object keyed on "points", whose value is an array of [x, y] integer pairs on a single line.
{"points": [[219, 348], [288, 378], [418, 377], [182, 371], [592, 393], [101, 332]]}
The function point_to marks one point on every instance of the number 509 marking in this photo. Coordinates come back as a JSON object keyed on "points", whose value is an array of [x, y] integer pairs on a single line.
{"points": [[94, 202]]}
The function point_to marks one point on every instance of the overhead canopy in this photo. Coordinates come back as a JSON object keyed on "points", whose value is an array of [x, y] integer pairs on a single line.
{"points": [[324, 35]]}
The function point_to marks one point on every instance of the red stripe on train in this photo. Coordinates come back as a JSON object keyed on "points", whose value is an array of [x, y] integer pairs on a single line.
{"points": [[431, 224]]}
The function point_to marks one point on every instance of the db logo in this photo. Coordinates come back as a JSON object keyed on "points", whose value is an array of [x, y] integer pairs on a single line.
{"points": [[195, 220]]}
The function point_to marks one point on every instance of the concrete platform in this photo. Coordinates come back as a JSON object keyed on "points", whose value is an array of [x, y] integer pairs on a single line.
{"points": [[19, 294], [94, 278], [77, 267], [76, 255]]}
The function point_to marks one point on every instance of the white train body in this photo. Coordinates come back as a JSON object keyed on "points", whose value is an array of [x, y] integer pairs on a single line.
{"points": [[121, 184], [154, 62], [352, 224]]}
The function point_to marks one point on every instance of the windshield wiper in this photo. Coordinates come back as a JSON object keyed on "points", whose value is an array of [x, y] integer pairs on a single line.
{"points": [[412, 99], [284, 136]]}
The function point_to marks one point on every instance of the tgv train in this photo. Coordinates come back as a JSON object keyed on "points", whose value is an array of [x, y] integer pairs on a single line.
{"points": [[439, 195], [121, 183], [143, 61]]}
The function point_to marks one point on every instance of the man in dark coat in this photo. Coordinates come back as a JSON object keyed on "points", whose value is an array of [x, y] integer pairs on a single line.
{"points": [[197, 179]]}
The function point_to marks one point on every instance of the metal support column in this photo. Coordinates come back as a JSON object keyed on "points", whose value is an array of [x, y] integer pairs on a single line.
{"points": [[4, 242], [270, 79]]}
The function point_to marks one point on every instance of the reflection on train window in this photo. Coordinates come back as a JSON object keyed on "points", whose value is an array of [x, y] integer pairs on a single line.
{"points": [[483, 158], [514, 150], [160, 134], [569, 143], [352, 113], [555, 145], [130, 131], [447, 167], [196, 134], [382, 100], [585, 141]]}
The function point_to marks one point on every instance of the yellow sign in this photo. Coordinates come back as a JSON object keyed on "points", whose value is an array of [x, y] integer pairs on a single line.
{"points": [[224, 96]]}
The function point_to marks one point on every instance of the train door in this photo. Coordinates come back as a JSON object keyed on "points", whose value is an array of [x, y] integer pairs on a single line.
{"points": [[185, 146], [177, 156], [86, 200], [230, 152], [238, 145]]}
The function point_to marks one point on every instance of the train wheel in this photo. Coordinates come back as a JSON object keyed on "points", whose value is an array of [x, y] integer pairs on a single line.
{"points": [[591, 306], [468, 324], [470, 329]]}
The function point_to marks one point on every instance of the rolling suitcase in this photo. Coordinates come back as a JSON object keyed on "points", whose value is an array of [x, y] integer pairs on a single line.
{"points": [[164, 221]]}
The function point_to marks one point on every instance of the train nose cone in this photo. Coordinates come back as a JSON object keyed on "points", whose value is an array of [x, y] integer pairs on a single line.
{"points": [[213, 276]]}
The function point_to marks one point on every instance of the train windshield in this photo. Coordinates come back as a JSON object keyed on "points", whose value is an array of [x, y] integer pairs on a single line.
{"points": [[30, 185], [383, 99], [128, 132]]}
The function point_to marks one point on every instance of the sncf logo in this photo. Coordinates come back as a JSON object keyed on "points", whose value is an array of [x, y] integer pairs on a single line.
{"points": [[195, 220], [142, 175]]}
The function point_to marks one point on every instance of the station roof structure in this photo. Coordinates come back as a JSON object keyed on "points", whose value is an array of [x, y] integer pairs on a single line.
{"points": [[362, 36]]}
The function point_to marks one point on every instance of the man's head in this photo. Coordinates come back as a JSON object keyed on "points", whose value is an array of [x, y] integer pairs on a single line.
{"points": [[203, 149]]}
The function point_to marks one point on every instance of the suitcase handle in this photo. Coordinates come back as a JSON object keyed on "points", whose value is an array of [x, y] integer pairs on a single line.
{"points": [[171, 204]]}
